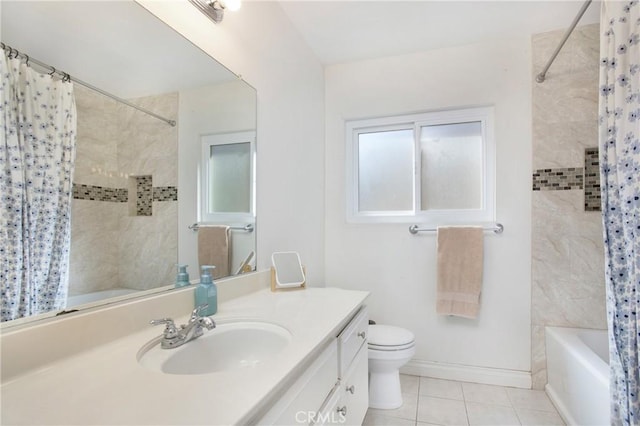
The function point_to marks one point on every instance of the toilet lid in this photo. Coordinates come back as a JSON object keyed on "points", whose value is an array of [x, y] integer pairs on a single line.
{"points": [[388, 335]]}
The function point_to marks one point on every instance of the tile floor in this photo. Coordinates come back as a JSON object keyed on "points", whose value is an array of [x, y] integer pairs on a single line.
{"points": [[430, 401]]}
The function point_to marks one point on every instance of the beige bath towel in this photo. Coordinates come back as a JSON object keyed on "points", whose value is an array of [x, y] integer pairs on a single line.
{"points": [[214, 248], [460, 257]]}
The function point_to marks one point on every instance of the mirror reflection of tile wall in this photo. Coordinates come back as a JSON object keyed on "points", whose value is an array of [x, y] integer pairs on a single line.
{"points": [[121, 236]]}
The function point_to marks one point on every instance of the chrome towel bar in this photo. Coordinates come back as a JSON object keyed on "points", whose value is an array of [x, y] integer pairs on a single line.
{"points": [[497, 228], [248, 227]]}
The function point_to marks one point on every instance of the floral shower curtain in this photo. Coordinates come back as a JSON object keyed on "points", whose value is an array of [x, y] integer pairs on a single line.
{"points": [[37, 153], [620, 182]]}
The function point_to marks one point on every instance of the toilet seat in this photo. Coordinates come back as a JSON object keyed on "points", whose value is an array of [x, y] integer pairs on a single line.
{"points": [[392, 348], [390, 338]]}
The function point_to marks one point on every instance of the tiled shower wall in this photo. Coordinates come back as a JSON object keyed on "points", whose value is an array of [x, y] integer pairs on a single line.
{"points": [[122, 237], [567, 249]]}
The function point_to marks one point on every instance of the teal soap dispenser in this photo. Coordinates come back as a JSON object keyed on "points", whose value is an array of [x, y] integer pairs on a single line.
{"points": [[182, 278], [206, 292]]}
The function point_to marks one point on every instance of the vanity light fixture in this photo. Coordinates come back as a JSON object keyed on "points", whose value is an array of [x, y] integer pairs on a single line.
{"points": [[214, 9]]}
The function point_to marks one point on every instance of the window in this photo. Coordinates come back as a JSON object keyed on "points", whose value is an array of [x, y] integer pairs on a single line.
{"points": [[227, 182], [435, 168]]}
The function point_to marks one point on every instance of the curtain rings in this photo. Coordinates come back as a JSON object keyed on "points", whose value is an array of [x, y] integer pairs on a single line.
{"points": [[53, 71], [26, 61], [66, 78]]}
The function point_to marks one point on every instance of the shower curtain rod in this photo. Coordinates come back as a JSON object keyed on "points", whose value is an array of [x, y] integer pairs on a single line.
{"points": [[540, 77], [67, 77]]}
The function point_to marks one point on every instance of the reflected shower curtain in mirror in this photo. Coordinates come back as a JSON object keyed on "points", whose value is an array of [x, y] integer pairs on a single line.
{"points": [[37, 152], [620, 182]]}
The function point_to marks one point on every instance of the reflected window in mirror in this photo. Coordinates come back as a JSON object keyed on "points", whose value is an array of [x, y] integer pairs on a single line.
{"points": [[228, 176]]}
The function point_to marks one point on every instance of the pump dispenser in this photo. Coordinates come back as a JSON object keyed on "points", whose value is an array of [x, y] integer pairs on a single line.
{"points": [[182, 278], [206, 292]]}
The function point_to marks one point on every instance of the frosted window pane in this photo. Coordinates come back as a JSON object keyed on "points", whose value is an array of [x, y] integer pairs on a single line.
{"points": [[451, 157], [385, 171], [230, 178]]}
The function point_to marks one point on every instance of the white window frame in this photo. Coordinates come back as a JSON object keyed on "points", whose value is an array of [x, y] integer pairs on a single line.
{"points": [[226, 139], [484, 214]]}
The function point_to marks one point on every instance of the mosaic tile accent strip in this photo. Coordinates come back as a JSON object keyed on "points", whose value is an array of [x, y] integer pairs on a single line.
{"points": [[591, 180], [558, 179], [121, 195], [100, 193], [165, 193], [144, 195]]}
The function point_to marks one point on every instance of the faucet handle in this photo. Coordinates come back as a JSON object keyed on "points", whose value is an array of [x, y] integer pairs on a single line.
{"points": [[170, 330], [196, 312]]}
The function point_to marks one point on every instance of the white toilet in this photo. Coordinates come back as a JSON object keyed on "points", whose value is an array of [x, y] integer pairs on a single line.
{"points": [[389, 349]]}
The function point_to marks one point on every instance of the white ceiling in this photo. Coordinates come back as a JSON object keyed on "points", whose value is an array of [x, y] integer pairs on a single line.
{"points": [[345, 31]]}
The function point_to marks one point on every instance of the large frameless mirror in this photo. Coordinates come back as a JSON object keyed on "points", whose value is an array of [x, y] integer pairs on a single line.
{"points": [[136, 210]]}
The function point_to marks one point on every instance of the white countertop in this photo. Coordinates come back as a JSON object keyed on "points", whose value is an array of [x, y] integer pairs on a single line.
{"points": [[106, 385]]}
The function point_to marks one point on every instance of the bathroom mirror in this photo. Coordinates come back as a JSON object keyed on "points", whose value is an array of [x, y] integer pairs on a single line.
{"points": [[122, 247], [288, 269]]}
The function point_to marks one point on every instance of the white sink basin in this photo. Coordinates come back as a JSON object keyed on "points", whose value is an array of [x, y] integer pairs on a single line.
{"points": [[229, 346]]}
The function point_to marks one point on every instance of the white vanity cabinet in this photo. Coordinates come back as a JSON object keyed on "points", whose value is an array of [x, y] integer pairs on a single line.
{"points": [[334, 388], [349, 401]]}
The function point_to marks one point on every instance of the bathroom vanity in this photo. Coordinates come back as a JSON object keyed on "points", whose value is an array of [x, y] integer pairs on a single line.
{"points": [[318, 377], [333, 389]]}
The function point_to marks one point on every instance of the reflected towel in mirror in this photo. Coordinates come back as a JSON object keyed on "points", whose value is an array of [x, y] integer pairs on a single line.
{"points": [[214, 246]]}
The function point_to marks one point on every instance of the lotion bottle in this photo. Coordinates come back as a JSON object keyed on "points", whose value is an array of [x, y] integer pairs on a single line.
{"points": [[206, 292], [182, 278]]}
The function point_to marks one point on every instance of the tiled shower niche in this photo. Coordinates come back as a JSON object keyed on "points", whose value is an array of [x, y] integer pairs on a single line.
{"points": [[564, 179], [592, 198], [141, 195]]}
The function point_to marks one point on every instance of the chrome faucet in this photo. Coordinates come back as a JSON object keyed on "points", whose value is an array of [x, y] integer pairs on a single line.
{"points": [[173, 336]]}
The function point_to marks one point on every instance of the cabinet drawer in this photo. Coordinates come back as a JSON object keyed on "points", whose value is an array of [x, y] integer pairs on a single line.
{"points": [[351, 339]]}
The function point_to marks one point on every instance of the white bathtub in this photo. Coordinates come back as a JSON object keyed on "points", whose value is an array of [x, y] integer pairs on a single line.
{"points": [[578, 374], [82, 299]]}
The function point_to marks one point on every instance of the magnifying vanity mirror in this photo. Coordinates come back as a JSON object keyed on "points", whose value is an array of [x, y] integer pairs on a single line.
{"points": [[288, 271], [142, 189]]}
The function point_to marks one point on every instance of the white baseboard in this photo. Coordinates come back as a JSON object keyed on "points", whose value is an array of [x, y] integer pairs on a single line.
{"points": [[468, 373]]}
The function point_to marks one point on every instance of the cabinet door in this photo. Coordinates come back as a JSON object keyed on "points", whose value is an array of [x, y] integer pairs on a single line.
{"points": [[349, 403], [328, 414], [299, 403], [355, 389]]}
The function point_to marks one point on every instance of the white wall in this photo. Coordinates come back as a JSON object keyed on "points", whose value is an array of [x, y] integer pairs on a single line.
{"points": [[259, 43], [399, 268]]}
